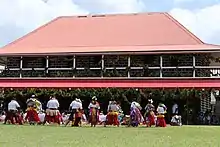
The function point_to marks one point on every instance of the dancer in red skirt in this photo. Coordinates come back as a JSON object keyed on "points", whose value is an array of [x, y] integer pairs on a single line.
{"points": [[112, 116], [94, 108], [13, 112], [33, 105], [149, 114], [76, 113], [161, 110]]}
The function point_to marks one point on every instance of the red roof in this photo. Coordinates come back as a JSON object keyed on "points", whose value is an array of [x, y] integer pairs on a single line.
{"points": [[105, 33], [105, 83]]}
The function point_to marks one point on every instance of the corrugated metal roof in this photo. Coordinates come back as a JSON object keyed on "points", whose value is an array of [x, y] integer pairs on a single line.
{"points": [[103, 33]]}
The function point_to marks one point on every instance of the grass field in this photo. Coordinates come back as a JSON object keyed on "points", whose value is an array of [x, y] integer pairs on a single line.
{"points": [[52, 136]]}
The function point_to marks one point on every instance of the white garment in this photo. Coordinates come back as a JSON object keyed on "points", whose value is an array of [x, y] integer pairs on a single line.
{"points": [[41, 117], [102, 118], [24, 115], [136, 105], [175, 119], [84, 119], [76, 105], [175, 109], [13, 105], [53, 104], [91, 105], [161, 110], [113, 107], [65, 117], [2, 117]]}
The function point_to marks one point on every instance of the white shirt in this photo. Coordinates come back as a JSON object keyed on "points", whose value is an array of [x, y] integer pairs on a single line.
{"points": [[53, 104], [76, 105], [2, 118], [175, 108], [161, 110], [102, 117], [91, 105], [13, 105], [136, 105], [113, 107], [41, 117]]}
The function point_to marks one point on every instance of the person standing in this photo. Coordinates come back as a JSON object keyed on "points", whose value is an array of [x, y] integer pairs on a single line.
{"points": [[161, 110], [175, 109], [75, 115], [52, 111], [33, 107], [12, 114], [149, 114], [112, 116], [135, 114], [94, 108]]}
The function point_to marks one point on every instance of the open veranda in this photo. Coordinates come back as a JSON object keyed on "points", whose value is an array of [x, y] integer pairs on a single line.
{"points": [[52, 136]]}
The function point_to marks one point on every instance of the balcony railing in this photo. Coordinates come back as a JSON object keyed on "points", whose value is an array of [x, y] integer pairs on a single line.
{"points": [[110, 66]]}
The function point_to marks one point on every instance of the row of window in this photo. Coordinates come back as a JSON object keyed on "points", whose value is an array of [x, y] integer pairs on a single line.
{"points": [[109, 61]]}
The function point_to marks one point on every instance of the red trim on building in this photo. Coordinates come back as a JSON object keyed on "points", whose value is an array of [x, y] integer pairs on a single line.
{"points": [[104, 83]]}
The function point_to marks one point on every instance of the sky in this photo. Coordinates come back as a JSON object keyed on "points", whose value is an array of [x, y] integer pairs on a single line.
{"points": [[19, 17]]}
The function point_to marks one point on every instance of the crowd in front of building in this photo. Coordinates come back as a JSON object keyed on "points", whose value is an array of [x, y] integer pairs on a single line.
{"points": [[35, 114]]}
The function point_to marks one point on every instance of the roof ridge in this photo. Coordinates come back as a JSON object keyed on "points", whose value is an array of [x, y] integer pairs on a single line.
{"points": [[110, 15], [183, 28], [32, 32]]}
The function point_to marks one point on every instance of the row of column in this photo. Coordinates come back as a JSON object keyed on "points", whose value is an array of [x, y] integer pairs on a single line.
{"points": [[102, 65]]}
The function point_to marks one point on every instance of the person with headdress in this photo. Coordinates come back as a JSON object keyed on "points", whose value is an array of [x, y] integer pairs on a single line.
{"points": [[112, 116], [52, 111], [33, 107], [135, 114], [13, 112], [161, 111], [94, 108], [149, 113], [75, 115]]}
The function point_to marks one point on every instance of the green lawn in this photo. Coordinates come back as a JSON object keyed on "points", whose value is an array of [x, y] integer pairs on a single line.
{"points": [[52, 136]]}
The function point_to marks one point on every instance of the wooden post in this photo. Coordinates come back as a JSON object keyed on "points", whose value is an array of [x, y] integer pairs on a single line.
{"points": [[161, 66], [21, 66], [74, 66], [103, 66], [129, 65], [47, 64], [194, 66]]}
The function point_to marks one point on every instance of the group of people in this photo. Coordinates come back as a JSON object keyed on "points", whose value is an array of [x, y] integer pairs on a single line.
{"points": [[52, 114]]}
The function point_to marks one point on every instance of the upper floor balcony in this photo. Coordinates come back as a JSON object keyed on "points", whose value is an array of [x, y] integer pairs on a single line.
{"points": [[107, 66]]}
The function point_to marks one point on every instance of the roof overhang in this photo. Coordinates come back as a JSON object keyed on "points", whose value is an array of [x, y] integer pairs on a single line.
{"points": [[116, 82], [203, 48]]}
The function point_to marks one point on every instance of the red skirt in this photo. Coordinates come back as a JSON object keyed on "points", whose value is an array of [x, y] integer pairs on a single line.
{"points": [[161, 122], [32, 116], [151, 120], [112, 119]]}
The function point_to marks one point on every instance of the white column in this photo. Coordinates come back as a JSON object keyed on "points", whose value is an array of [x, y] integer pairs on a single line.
{"points": [[21, 66], [194, 65], [47, 64], [74, 65], [161, 66], [103, 65], [129, 65]]}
